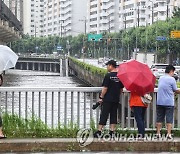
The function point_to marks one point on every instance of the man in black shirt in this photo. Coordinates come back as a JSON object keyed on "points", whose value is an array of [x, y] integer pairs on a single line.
{"points": [[109, 98]]}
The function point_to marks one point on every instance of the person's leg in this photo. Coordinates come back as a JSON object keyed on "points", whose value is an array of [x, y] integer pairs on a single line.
{"points": [[139, 119], [105, 110], [169, 119], [113, 116], [160, 113], [143, 116]]}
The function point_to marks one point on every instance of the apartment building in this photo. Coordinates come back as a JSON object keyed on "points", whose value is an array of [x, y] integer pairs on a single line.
{"points": [[135, 13], [33, 21], [65, 17], [103, 16]]}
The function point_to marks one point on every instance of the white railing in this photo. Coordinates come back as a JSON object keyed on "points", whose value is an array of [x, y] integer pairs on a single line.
{"points": [[71, 105]]}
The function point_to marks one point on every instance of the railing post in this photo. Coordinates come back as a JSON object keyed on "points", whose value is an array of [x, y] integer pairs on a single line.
{"points": [[13, 103], [154, 110], [65, 109], [84, 109], [52, 124], [78, 109], [19, 104], [72, 108], [59, 109]]}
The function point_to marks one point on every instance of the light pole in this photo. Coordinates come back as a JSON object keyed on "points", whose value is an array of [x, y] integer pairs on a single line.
{"points": [[85, 24], [152, 11]]}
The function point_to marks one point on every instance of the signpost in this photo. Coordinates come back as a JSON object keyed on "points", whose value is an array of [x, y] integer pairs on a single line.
{"points": [[94, 37], [59, 48], [175, 34], [161, 38]]}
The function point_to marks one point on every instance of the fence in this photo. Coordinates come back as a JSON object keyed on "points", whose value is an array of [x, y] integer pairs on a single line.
{"points": [[64, 105]]}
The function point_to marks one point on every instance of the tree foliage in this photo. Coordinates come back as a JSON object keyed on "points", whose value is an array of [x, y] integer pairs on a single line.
{"points": [[116, 45]]}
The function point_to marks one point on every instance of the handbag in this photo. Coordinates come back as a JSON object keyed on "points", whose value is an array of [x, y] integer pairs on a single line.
{"points": [[146, 99]]}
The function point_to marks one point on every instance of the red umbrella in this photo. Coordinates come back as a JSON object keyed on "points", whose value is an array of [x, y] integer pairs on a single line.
{"points": [[136, 77]]}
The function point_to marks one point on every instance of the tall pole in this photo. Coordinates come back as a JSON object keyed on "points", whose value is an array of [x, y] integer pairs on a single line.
{"points": [[167, 11], [109, 24], [152, 11], [125, 21], [85, 25], [35, 39], [61, 29], [138, 16]]}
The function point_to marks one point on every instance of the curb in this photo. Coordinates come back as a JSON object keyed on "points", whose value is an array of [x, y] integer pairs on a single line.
{"points": [[71, 145]]}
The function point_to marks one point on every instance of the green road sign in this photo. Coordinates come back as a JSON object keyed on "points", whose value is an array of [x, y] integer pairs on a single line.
{"points": [[94, 37]]}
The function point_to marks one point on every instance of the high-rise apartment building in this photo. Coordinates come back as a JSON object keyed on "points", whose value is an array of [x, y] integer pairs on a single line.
{"points": [[73, 15], [55, 17], [135, 13], [33, 17], [103, 16]]}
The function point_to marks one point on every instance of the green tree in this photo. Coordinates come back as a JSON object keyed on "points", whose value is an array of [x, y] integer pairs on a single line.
{"points": [[176, 13]]}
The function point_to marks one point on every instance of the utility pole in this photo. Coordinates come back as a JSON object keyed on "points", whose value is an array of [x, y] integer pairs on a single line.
{"points": [[109, 23], [61, 29], [125, 20], [138, 15], [85, 22], [152, 11]]}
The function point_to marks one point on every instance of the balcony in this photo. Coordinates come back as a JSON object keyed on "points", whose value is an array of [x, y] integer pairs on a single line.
{"points": [[66, 4]]}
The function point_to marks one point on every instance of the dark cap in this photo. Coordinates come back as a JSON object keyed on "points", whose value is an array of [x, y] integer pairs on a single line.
{"points": [[112, 62]]}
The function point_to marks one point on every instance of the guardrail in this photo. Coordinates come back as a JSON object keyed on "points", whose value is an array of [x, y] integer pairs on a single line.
{"points": [[72, 105]]}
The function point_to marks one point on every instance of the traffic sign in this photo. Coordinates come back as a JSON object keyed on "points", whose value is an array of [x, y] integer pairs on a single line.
{"points": [[175, 34], [94, 37], [161, 38], [59, 47]]}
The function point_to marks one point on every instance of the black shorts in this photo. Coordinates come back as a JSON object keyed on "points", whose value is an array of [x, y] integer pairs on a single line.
{"points": [[108, 108], [163, 111]]}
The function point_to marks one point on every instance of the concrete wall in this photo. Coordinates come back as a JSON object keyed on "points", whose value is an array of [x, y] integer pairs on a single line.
{"points": [[85, 75]]}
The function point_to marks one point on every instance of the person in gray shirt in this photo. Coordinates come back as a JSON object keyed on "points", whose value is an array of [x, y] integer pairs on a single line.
{"points": [[165, 100]]}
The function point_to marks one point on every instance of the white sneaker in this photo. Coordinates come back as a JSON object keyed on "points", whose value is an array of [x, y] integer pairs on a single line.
{"points": [[169, 137]]}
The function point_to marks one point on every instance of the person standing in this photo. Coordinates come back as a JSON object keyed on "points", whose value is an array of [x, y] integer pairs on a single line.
{"points": [[139, 110], [165, 100], [109, 98], [1, 132]]}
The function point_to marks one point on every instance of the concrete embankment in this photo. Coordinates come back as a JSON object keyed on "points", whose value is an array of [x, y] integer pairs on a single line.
{"points": [[65, 145], [89, 74]]}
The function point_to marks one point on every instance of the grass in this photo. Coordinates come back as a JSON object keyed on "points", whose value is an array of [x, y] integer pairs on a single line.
{"points": [[15, 127], [91, 68]]}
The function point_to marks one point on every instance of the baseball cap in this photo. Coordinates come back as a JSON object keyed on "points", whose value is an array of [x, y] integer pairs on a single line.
{"points": [[112, 62]]}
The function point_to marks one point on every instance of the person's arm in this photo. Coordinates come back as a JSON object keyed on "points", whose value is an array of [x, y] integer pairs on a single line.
{"points": [[105, 85], [103, 92], [177, 91]]}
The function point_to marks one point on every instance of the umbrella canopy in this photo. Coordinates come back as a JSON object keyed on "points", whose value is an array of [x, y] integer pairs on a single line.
{"points": [[8, 58], [136, 77]]}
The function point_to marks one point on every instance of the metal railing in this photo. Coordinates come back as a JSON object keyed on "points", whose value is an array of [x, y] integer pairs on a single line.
{"points": [[72, 105]]}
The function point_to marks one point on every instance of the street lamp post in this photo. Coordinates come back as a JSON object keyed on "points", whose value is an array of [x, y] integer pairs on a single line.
{"points": [[152, 11]]}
